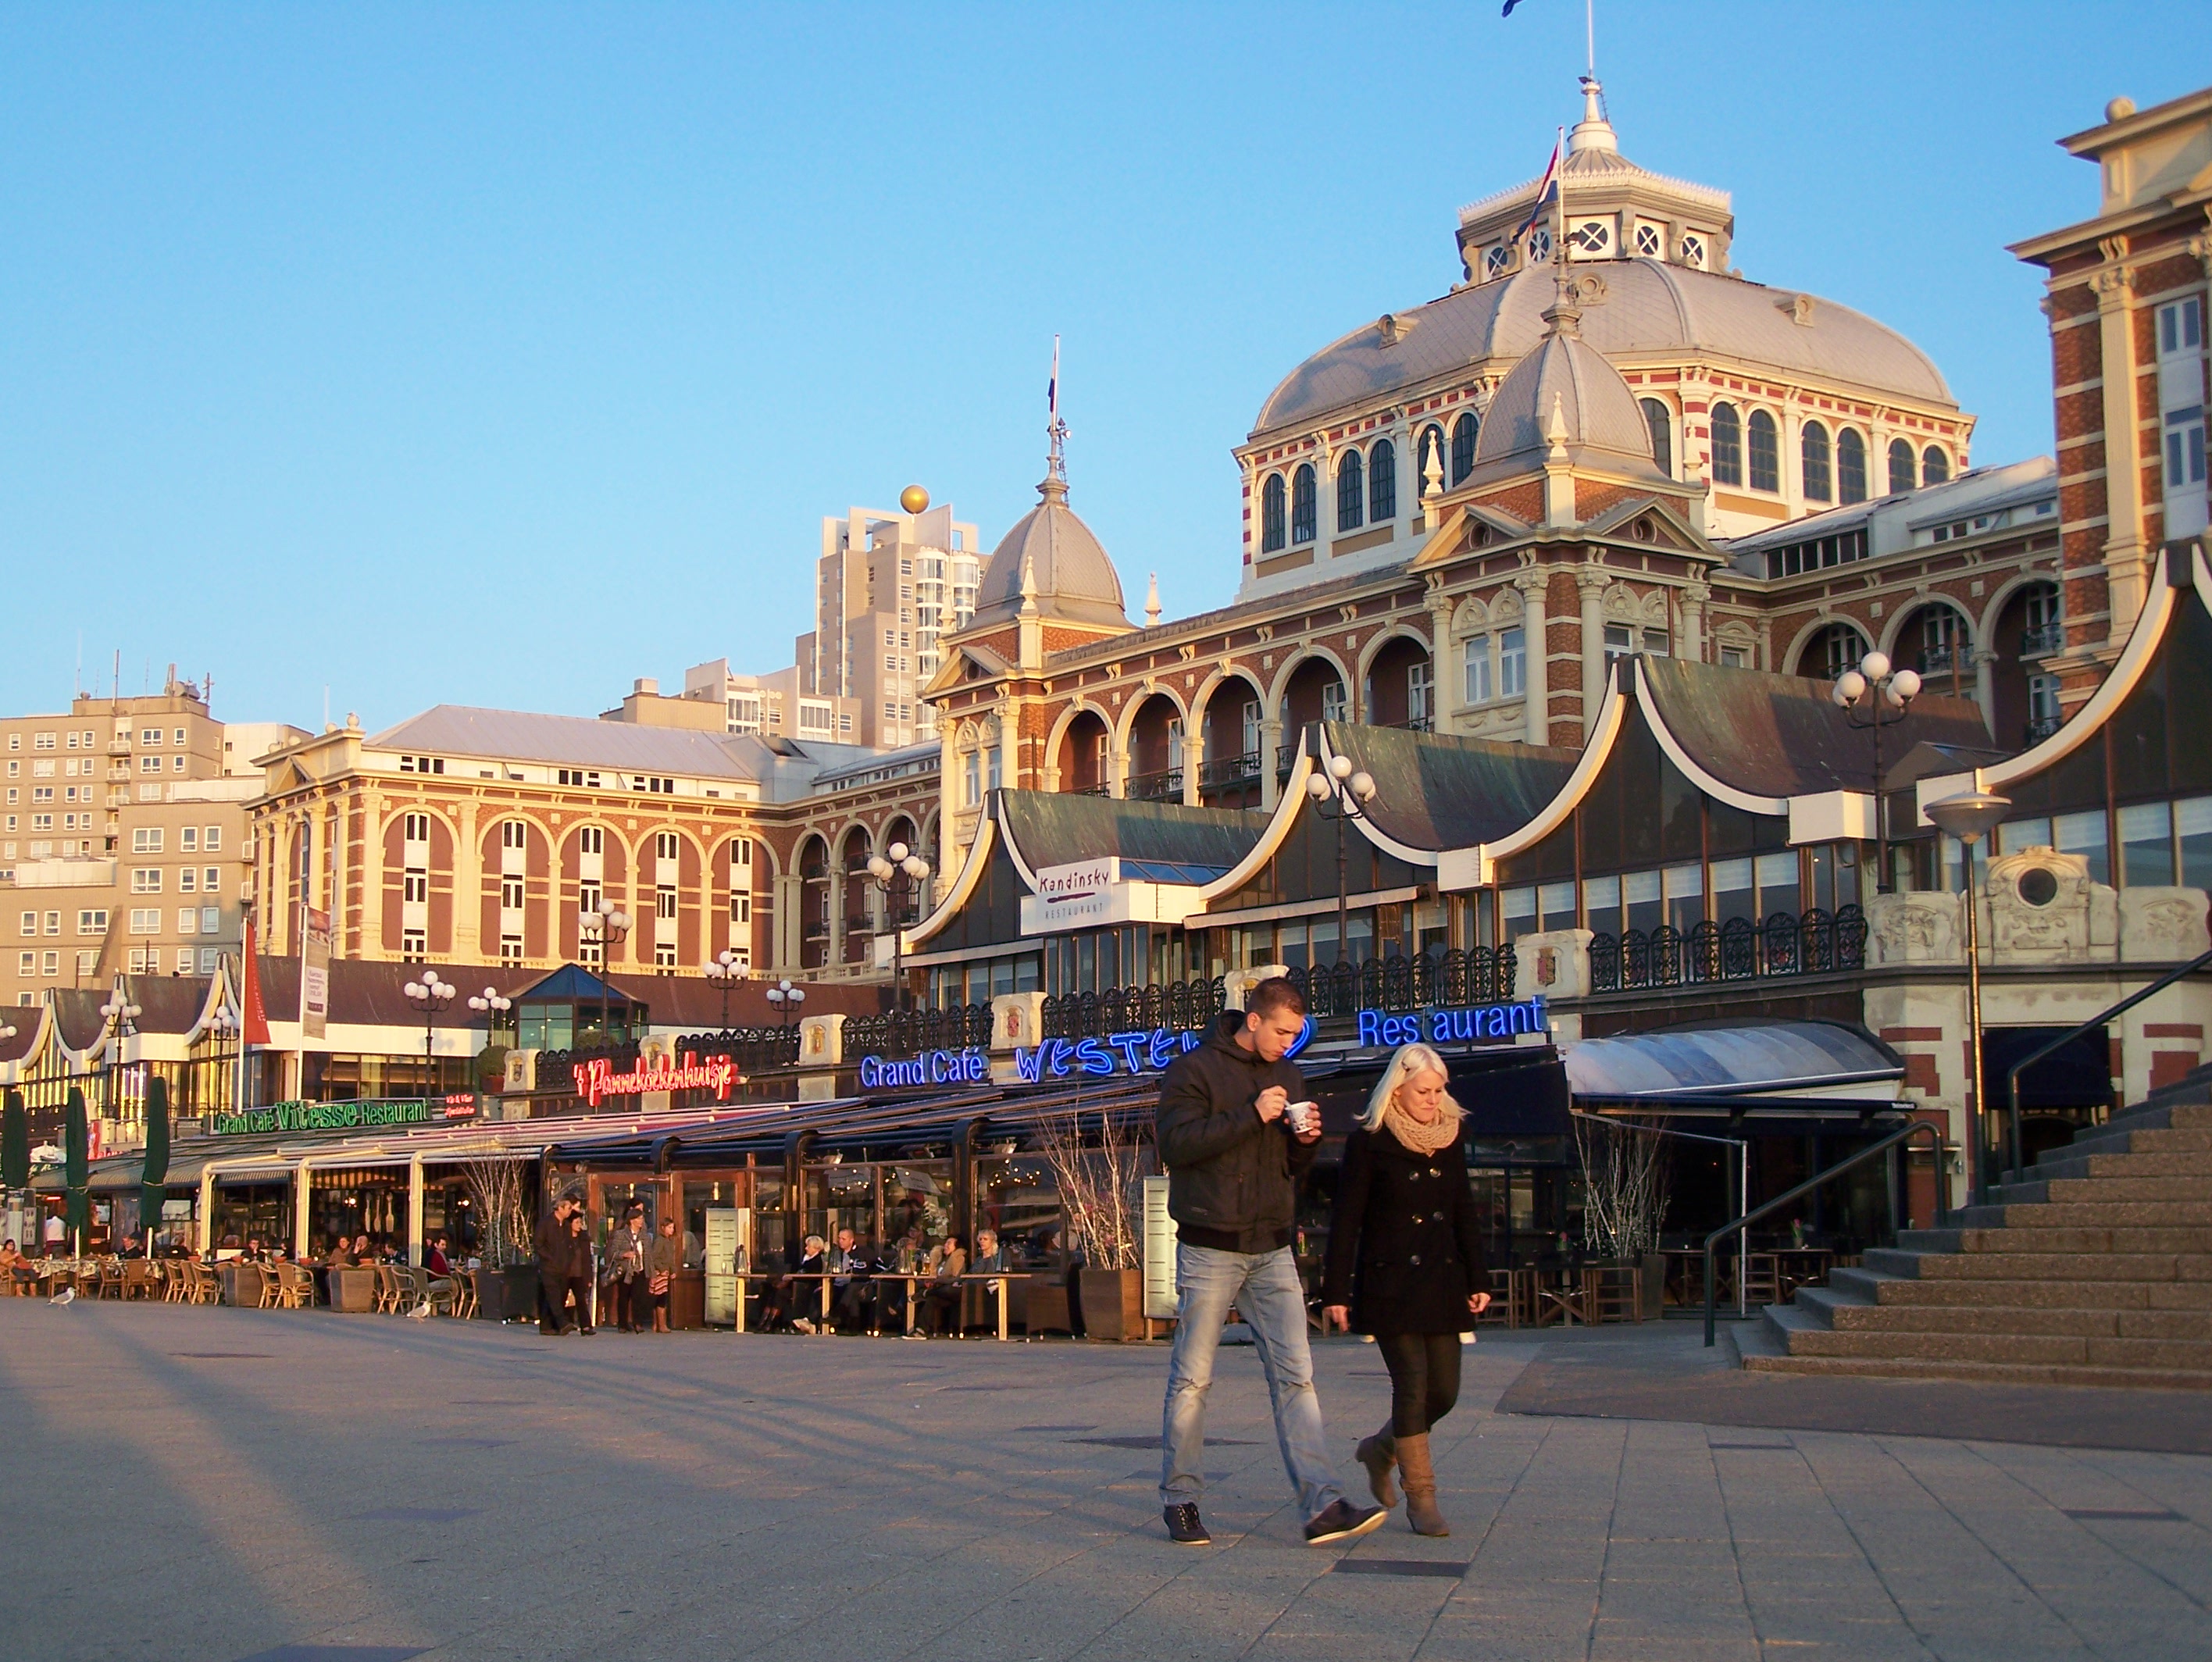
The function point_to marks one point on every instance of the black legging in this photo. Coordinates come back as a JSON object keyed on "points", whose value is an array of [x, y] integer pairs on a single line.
{"points": [[1424, 1378]]}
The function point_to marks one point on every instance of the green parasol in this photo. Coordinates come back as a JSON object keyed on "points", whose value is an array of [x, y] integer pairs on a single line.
{"points": [[75, 1143], [153, 1188], [14, 1144]]}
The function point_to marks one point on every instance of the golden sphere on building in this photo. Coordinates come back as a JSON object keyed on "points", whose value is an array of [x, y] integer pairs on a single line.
{"points": [[913, 498]]}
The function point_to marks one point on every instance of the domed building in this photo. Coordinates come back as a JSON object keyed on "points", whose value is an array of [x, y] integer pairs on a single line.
{"points": [[1774, 403]]}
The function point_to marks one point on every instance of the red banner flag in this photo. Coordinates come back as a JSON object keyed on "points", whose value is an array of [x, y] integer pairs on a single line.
{"points": [[255, 1017]]}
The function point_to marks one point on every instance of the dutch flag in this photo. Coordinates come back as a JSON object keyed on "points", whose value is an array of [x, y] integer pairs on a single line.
{"points": [[1547, 192]]}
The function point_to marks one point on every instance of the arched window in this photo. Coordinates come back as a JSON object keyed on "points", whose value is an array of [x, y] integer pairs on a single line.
{"points": [[1351, 492], [1851, 467], [1432, 444], [1274, 532], [1902, 466], [1765, 449], [1813, 448], [1304, 517], [1465, 431], [1662, 446], [1383, 483], [1935, 465], [1834, 650], [1727, 445]]}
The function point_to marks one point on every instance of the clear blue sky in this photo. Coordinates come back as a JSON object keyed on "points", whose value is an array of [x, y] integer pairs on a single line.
{"points": [[499, 354]]}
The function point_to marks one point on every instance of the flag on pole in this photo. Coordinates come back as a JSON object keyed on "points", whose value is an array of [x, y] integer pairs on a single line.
{"points": [[1547, 192], [1052, 386], [1510, 4]]}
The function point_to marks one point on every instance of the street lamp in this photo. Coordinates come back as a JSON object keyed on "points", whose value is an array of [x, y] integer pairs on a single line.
{"points": [[492, 1004], [786, 999], [1340, 794], [604, 926], [1970, 817], [122, 1014], [429, 994], [725, 969], [224, 1026], [1884, 695], [885, 873]]}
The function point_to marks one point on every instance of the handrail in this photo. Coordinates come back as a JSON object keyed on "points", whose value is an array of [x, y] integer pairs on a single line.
{"points": [[1880, 1146], [2012, 1073]]}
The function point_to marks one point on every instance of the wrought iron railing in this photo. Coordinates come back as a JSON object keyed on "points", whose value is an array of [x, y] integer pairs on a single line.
{"points": [[2041, 639], [1165, 785], [1182, 1006], [2039, 728], [1229, 770], [1813, 942], [1476, 975], [909, 1032], [1935, 660]]}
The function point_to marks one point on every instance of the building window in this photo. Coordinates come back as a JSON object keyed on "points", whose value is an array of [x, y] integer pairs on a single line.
{"points": [[664, 845], [187, 880], [1735, 658], [1650, 241], [1432, 444], [416, 828], [510, 949], [1693, 250], [1478, 670], [188, 920], [188, 839], [1656, 417], [1351, 492], [1304, 507], [1497, 261], [576, 776], [1383, 483], [1934, 466], [146, 839], [146, 880], [1764, 443], [149, 764], [1272, 531], [211, 840], [1727, 445], [210, 879], [1591, 239], [664, 901], [664, 956], [146, 920], [512, 835], [972, 778], [741, 908], [1512, 664], [1465, 432], [49, 963], [414, 945], [1539, 244], [2184, 446], [511, 893], [1419, 686], [591, 840], [415, 887], [422, 764], [1902, 468], [1851, 467], [1813, 450], [92, 923], [1834, 650]]}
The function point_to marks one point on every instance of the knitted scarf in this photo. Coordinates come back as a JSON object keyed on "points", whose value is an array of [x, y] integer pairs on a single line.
{"points": [[1439, 1133]]}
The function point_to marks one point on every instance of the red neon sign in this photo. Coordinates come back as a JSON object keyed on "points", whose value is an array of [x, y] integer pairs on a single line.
{"points": [[596, 1080]]}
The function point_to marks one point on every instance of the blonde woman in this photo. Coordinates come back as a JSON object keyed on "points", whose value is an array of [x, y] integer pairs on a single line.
{"points": [[1405, 1220]]}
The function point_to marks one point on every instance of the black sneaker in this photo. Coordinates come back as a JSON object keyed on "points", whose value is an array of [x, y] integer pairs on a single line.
{"points": [[1183, 1526], [1340, 1520]]}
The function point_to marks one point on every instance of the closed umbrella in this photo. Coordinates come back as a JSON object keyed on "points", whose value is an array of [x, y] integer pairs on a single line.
{"points": [[14, 1144], [152, 1187], [74, 1148]]}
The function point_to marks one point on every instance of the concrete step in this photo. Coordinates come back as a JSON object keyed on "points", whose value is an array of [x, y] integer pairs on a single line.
{"points": [[1972, 1242], [2073, 1162], [2192, 1188], [1856, 1315], [2106, 1140], [1762, 1361], [1806, 1336], [1951, 1292], [2047, 1266], [2192, 1211]]}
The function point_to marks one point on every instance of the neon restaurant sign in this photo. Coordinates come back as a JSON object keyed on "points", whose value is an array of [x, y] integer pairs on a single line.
{"points": [[932, 1067], [1440, 1027], [328, 1116], [597, 1080]]}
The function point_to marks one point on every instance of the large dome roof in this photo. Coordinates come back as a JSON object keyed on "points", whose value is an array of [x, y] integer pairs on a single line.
{"points": [[1073, 578], [1646, 308], [1564, 377]]}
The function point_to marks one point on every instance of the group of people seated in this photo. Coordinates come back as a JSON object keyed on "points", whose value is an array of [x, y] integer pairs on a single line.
{"points": [[868, 1291]]}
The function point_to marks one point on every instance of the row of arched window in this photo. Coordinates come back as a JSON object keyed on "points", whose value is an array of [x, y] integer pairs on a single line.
{"points": [[1366, 486], [1751, 445]]}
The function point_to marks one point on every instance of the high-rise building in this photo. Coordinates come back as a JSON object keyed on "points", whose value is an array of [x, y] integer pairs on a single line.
{"points": [[2127, 305]]}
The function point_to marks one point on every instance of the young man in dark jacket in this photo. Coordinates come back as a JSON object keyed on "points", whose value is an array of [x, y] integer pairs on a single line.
{"points": [[1234, 1158]]}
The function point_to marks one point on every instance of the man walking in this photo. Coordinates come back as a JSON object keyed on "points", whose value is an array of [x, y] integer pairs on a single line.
{"points": [[553, 1255], [1234, 1159]]}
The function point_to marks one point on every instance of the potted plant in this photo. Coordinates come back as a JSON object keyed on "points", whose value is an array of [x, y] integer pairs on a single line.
{"points": [[1099, 1189], [507, 1276], [1625, 1195]]}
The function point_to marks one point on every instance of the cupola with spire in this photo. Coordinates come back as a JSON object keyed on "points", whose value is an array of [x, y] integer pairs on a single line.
{"points": [[1050, 564]]}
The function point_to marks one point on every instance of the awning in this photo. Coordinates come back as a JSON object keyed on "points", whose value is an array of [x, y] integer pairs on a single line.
{"points": [[1755, 1059]]}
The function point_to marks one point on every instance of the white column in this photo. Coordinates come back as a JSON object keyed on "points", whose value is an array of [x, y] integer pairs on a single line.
{"points": [[1271, 748], [2123, 553], [415, 1210], [300, 1191], [1193, 763], [1691, 645], [1536, 705], [1592, 585]]}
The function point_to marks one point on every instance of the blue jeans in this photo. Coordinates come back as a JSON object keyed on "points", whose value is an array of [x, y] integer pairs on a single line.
{"points": [[1266, 1291]]}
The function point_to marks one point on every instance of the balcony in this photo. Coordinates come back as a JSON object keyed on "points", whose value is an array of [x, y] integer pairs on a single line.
{"points": [[2042, 639], [1940, 660], [1163, 786], [1229, 770], [1415, 725], [2040, 728]]}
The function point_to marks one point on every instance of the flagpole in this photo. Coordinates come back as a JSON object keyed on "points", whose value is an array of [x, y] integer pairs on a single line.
{"points": [[1560, 204]]}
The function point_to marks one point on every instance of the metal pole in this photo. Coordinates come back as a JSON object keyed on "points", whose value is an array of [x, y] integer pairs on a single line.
{"points": [[1974, 1158], [1880, 810], [1340, 905]]}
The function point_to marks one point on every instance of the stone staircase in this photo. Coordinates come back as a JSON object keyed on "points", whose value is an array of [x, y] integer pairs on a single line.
{"points": [[2095, 1267]]}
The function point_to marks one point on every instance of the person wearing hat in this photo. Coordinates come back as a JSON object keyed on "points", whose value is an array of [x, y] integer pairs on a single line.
{"points": [[625, 1266]]}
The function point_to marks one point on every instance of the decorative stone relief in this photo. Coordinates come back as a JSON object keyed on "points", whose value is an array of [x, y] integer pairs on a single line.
{"points": [[1554, 964], [2163, 925], [1919, 927], [2044, 909]]}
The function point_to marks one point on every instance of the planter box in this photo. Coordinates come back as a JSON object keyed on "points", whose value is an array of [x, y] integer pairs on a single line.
{"points": [[508, 1295], [1113, 1304], [352, 1289], [1654, 1286]]}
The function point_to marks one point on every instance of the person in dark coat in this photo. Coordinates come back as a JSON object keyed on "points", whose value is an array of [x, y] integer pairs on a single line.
{"points": [[1406, 1223], [553, 1255]]}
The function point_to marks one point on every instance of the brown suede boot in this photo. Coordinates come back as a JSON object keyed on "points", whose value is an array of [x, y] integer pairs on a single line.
{"points": [[1378, 1454], [1420, 1481]]}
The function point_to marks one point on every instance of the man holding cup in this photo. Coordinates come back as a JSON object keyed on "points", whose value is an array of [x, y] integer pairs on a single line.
{"points": [[1235, 1135]]}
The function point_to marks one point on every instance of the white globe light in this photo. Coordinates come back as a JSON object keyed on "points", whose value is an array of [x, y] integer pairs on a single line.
{"points": [[1905, 684], [1850, 687], [879, 868], [1316, 786], [620, 920], [916, 867], [1362, 786], [413, 989], [1340, 767], [1874, 666], [897, 850]]}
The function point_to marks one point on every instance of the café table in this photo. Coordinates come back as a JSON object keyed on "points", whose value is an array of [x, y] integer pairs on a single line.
{"points": [[1565, 1294]]}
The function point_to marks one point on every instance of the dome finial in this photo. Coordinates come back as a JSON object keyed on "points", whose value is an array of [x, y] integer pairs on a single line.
{"points": [[1029, 608], [1593, 131], [1153, 603], [1055, 463]]}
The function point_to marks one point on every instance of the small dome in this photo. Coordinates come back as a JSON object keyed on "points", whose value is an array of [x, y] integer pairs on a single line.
{"points": [[1566, 376], [1073, 578]]}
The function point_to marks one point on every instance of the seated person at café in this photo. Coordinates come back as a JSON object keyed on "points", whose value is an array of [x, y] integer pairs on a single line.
{"points": [[990, 1257], [941, 1303], [340, 1256], [849, 1285], [804, 1302], [18, 1268]]}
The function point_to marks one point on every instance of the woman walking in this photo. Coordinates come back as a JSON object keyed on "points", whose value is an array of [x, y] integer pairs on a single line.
{"points": [[1405, 1220], [663, 1257]]}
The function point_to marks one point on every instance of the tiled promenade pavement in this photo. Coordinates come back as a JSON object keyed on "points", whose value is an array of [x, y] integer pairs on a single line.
{"points": [[189, 1484]]}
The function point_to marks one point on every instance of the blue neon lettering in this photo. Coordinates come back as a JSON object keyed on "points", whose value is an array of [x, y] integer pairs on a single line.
{"points": [[1131, 1046]]}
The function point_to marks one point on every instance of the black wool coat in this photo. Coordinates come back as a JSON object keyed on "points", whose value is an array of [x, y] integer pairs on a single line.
{"points": [[1405, 1250]]}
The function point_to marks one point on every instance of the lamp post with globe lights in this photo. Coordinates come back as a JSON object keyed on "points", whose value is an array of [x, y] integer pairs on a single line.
{"points": [[603, 926], [1340, 793], [886, 873], [122, 1015], [1872, 697], [429, 994], [725, 969], [786, 999], [1970, 816], [224, 1026], [491, 1004]]}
